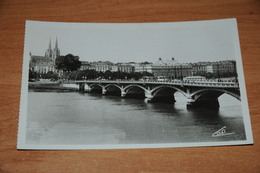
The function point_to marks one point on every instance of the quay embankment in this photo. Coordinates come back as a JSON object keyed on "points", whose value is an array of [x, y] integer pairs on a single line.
{"points": [[50, 86]]}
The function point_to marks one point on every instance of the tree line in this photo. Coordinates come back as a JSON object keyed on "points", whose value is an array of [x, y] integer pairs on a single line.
{"points": [[107, 75], [216, 75]]}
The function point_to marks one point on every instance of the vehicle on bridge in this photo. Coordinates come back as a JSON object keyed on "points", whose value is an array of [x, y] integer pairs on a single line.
{"points": [[161, 78], [148, 78], [194, 78]]}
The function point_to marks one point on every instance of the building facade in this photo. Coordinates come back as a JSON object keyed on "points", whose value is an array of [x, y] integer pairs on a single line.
{"points": [[102, 66], [124, 67], [227, 66], [140, 67], [171, 69], [216, 68]]}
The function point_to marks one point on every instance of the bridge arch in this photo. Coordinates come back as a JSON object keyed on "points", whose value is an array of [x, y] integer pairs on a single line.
{"points": [[134, 91], [222, 91], [92, 85], [112, 89], [163, 93], [208, 97], [109, 85], [128, 87], [95, 88], [159, 88]]}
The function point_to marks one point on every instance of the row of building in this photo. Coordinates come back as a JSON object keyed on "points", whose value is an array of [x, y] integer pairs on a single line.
{"points": [[168, 68]]}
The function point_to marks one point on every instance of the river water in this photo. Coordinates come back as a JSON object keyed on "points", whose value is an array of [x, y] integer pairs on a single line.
{"points": [[85, 118]]}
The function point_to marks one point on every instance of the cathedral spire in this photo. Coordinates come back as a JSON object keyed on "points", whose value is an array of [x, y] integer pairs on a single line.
{"points": [[56, 51], [50, 44], [48, 52], [56, 44]]}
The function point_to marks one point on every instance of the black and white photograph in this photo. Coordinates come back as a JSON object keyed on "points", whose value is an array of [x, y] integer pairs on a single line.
{"points": [[132, 85]]}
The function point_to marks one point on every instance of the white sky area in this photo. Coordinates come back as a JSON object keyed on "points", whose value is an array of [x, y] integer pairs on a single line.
{"points": [[185, 41]]}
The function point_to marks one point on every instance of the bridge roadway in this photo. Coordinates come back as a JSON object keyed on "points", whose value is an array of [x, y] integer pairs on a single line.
{"points": [[198, 93]]}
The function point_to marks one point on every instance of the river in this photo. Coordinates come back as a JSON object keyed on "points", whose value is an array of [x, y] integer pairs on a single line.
{"points": [[84, 118]]}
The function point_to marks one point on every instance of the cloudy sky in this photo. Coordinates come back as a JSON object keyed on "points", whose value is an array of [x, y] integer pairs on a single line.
{"points": [[185, 41]]}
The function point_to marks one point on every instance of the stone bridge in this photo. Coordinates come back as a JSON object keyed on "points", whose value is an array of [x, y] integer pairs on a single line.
{"points": [[198, 93]]}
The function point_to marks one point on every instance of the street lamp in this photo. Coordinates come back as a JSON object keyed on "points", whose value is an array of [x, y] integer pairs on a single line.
{"points": [[175, 72], [77, 72], [218, 72], [235, 70], [181, 72]]}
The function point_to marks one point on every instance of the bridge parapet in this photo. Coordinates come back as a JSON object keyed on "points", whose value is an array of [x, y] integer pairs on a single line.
{"points": [[172, 82], [213, 84]]}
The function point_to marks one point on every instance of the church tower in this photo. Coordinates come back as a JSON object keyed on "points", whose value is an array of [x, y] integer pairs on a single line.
{"points": [[53, 54], [48, 52], [56, 51]]}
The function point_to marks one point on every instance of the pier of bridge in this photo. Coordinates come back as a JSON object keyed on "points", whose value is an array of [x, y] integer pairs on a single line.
{"points": [[199, 94]]}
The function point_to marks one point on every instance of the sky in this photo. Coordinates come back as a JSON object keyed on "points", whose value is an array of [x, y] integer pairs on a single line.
{"points": [[213, 40]]}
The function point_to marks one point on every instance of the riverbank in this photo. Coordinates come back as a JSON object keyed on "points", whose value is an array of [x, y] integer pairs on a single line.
{"points": [[48, 86]]}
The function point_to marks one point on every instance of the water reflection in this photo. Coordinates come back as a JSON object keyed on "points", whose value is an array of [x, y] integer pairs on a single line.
{"points": [[81, 118]]}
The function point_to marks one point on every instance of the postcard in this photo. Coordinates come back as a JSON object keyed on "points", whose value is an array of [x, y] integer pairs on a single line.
{"points": [[132, 85]]}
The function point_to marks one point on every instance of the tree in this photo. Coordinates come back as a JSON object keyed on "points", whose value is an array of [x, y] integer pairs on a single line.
{"points": [[145, 63], [145, 73], [108, 74], [86, 74], [50, 75], [67, 63], [32, 74]]}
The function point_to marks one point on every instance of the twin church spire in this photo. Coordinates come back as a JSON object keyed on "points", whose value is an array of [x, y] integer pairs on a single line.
{"points": [[53, 53]]}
